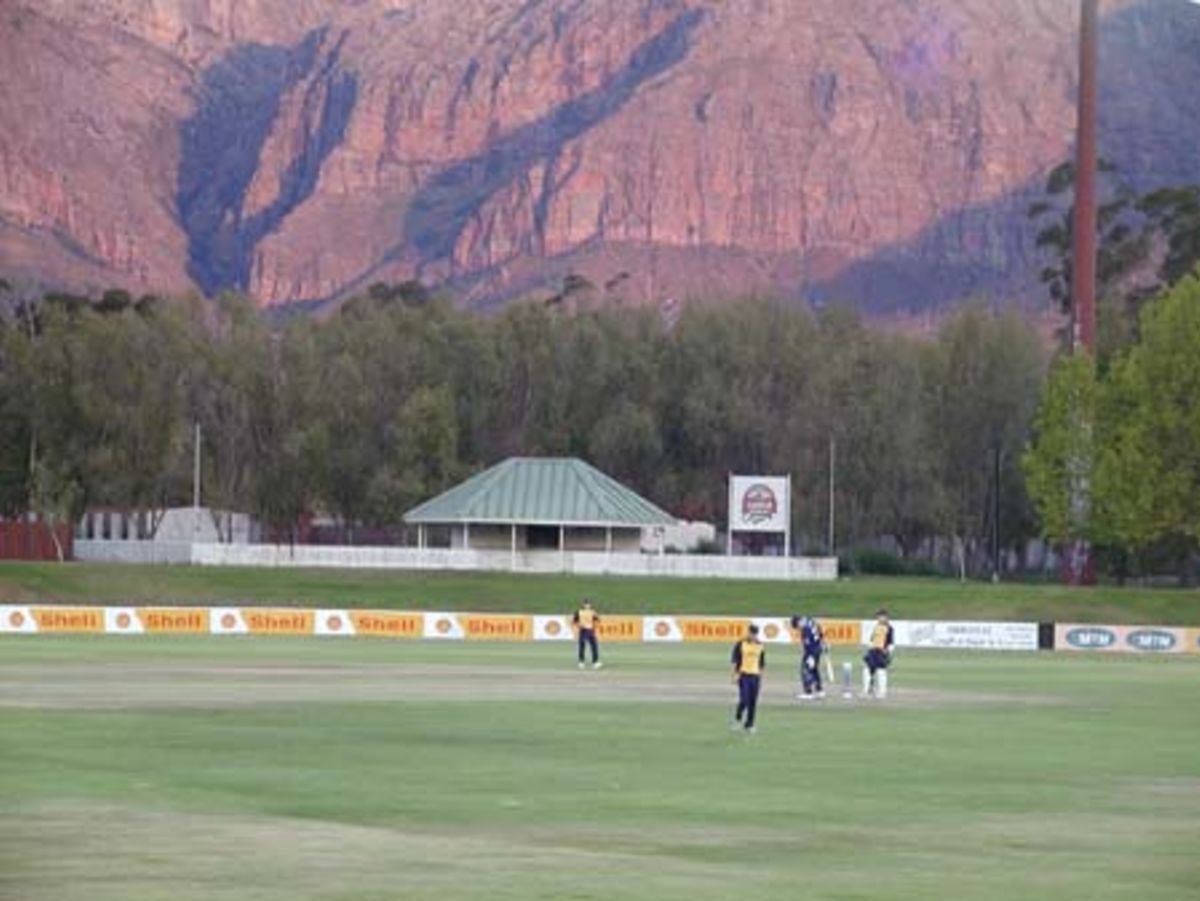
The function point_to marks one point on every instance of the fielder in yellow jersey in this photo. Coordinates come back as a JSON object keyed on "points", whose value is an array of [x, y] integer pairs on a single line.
{"points": [[878, 656], [749, 659], [586, 620]]}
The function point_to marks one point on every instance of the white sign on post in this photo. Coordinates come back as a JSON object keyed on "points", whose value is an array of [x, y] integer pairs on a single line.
{"points": [[760, 504]]}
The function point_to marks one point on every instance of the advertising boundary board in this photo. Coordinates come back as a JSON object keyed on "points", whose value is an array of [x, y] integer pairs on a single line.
{"points": [[960, 635], [1107, 639], [344, 622]]}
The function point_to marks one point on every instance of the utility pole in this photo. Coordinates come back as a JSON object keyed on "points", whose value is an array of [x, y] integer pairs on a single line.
{"points": [[1083, 257], [196, 478], [996, 514], [832, 468], [1083, 274]]}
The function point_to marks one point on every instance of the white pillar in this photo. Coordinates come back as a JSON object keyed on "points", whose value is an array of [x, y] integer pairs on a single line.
{"points": [[513, 558], [562, 548], [466, 536]]}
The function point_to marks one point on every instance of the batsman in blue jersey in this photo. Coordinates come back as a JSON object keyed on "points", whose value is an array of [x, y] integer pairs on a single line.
{"points": [[812, 641]]}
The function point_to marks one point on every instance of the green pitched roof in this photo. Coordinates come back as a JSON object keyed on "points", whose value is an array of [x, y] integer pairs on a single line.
{"points": [[541, 491]]}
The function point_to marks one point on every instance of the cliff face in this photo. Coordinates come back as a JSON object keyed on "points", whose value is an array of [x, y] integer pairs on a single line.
{"points": [[298, 149]]}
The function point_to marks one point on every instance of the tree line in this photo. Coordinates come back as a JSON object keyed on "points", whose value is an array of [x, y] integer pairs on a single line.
{"points": [[362, 413]]}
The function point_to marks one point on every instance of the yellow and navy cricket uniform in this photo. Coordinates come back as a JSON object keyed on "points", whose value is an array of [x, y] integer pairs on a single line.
{"points": [[586, 620], [749, 659], [879, 647]]}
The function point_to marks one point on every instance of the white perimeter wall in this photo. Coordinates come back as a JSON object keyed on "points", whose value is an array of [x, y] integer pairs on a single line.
{"points": [[339, 557]]}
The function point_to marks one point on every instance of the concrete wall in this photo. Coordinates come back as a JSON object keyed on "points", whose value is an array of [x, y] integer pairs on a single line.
{"points": [[341, 557]]}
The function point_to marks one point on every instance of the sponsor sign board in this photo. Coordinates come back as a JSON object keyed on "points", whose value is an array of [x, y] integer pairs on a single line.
{"points": [[661, 628], [174, 620], [759, 503], [17, 619], [442, 626], [610, 628], [1193, 641], [553, 628], [619, 628], [278, 622], [696, 628], [69, 619], [1117, 639], [980, 636], [387, 623], [496, 627], [841, 631]]}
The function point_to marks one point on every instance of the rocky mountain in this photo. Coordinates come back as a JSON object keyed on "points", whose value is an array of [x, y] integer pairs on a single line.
{"points": [[882, 152]]}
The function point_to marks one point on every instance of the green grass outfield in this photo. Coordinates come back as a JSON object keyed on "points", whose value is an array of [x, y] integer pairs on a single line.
{"points": [[154, 768], [483, 592]]}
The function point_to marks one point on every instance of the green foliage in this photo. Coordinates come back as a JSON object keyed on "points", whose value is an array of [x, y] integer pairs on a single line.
{"points": [[1058, 463], [1146, 243], [874, 562], [398, 395], [1127, 440], [1151, 463]]}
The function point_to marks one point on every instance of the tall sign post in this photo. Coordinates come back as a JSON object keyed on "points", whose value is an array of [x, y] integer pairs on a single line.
{"points": [[761, 504]]}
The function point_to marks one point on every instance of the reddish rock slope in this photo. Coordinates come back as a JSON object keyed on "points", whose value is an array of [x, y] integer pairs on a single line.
{"points": [[299, 149]]}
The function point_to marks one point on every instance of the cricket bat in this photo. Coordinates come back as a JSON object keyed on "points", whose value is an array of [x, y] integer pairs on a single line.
{"points": [[829, 667]]}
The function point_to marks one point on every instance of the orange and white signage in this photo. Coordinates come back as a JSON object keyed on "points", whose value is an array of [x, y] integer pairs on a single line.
{"points": [[333, 622], [174, 620], [841, 631], [773, 629], [553, 628], [278, 622], [387, 623], [725, 630], [619, 628], [661, 628], [69, 619], [17, 619], [1193, 641], [496, 626], [443, 625], [227, 621], [122, 621]]}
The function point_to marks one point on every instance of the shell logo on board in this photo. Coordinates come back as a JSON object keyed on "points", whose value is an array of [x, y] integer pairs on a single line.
{"points": [[444, 626], [553, 627], [662, 630], [16, 619], [229, 621], [334, 623]]}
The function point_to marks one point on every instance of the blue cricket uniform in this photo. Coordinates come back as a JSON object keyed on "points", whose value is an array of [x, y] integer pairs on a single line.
{"points": [[812, 639]]}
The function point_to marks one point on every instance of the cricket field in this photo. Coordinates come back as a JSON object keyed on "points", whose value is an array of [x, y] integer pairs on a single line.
{"points": [[257, 768]]}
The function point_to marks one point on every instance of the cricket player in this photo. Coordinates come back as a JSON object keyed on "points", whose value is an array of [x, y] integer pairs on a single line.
{"points": [[585, 622], [878, 656], [749, 659], [812, 640]]}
